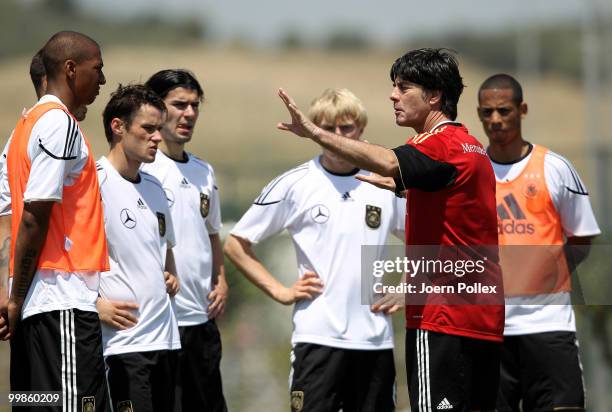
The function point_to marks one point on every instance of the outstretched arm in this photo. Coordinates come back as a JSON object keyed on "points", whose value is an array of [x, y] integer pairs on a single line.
{"points": [[240, 252], [364, 155]]}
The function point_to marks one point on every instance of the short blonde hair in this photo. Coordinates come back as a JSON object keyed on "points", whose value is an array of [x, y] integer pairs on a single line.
{"points": [[338, 104]]}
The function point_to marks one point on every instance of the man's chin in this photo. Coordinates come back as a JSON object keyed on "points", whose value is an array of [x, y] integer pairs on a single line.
{"points": [[401, 122], [80, 114], [183, 138], [498, 137]]}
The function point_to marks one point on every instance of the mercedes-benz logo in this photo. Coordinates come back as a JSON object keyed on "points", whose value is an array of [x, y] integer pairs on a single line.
{"points": [[169, 196], [128, 218], [319, 213]]}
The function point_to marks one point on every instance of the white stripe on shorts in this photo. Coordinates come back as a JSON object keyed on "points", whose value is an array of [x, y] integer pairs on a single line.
{"points": [[292, 360], [63, 351], [73, 356], [423, 370], [68, 351]]}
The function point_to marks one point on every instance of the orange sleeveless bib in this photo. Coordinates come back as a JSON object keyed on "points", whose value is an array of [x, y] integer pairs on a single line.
{"points": [[76, 240], [530, 233]]}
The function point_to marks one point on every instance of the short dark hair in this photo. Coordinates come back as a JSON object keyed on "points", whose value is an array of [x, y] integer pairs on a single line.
{"points": [[434, 70], [125, 102], [66, 45], [37, 73], [503, 81], [165, 81]]}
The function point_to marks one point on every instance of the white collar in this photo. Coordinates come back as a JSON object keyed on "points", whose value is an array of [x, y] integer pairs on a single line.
{"points": [[47, 98], [440, 124], [50, 98]]}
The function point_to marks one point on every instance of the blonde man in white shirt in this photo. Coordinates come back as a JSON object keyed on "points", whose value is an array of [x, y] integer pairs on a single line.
{"points": [[342, 357]]}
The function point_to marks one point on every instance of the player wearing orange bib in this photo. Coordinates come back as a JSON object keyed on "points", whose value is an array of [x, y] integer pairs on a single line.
{"points": [[542, 208], [59, 246], [39, 80]]}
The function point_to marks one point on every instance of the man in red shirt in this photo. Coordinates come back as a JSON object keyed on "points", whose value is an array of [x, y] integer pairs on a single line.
{"points": [[452, 350]]}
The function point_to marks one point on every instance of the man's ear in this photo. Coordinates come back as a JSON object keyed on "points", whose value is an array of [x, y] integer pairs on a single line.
{"points": [[523, 109], [117, 127], [70, 69], [435, 97]]}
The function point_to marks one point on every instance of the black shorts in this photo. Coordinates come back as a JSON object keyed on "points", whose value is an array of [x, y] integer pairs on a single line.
{"points": [[326, 379], [142, 381], [451, 373], [20, 363], [198, 381], [543, 370], [61, 351]]}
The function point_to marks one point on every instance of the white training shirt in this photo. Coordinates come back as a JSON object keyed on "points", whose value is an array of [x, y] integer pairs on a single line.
{"points": [[325, 214], [58, 153], [571, 200], [139, 231], [194, 205]]}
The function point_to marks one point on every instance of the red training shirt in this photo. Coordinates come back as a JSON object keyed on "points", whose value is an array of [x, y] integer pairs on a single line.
{"points": [[451, 202]]}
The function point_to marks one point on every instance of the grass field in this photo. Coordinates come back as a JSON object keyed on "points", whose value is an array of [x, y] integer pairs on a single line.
{"points": [[237, 134]]}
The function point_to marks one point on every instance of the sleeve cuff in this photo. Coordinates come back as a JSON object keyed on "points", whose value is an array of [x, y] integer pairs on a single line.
{"points": [[400, 186], [38, 199], [251, 241]]}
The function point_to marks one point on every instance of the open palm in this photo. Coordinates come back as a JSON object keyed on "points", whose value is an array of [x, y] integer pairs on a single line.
{"points": [[300, 124]]}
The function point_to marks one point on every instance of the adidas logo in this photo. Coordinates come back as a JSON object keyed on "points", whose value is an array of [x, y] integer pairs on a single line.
{"points": [[184, 182], [141, 204], [509, 209], [444, 405], [347, 196]]}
